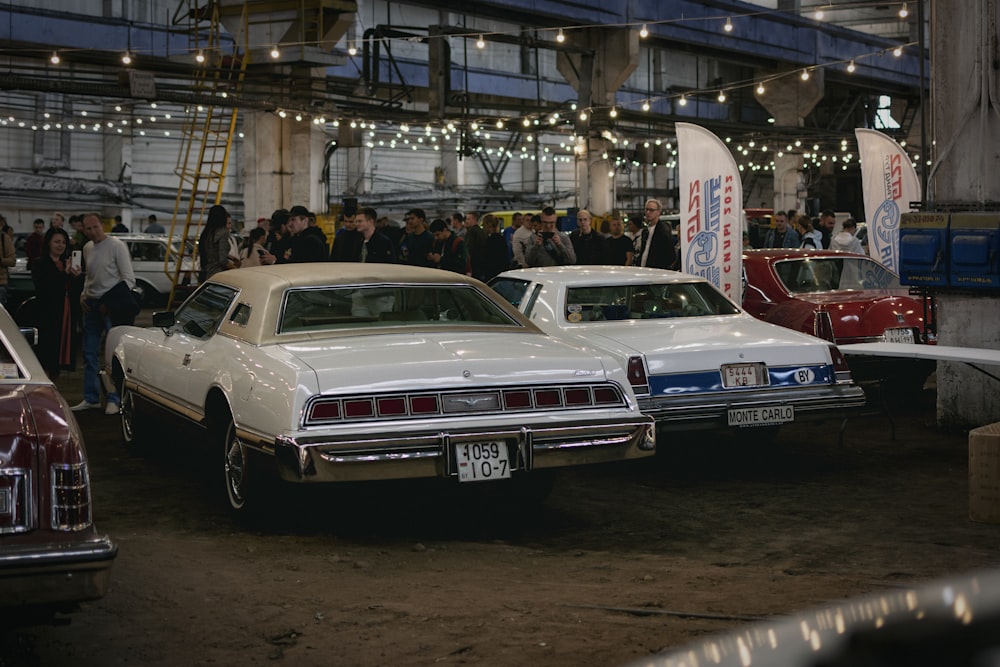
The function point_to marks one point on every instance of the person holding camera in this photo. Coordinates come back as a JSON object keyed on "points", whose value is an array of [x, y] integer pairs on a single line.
{"points": [[550, 247]]}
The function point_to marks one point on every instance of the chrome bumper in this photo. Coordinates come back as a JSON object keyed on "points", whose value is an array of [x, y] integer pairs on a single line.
{"points": [[708, 411], [55, 576], [319, 459]]}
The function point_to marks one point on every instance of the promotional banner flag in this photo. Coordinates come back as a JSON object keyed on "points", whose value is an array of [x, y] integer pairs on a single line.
{"points": [[711, 201], [889, 183]]}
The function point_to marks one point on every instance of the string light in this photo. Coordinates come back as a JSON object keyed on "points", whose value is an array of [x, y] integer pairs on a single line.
{"points": [[645, 105], [560, 37], [819, 14], [851, 67], [729, 25], [722, 96], [126, 58], [644, 33], [903, 11], [199, 57], [480, 43], [275, 53], [614, 112], [760, 88], [898, 51], [54, 59], [805, 75], [683, 101], [352, 49]]}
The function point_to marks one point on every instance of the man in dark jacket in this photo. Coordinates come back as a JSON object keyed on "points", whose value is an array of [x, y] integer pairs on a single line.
{"points": [[375, 247], [655, 245], [305, 243]]}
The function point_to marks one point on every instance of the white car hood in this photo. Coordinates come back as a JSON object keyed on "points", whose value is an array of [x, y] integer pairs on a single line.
{"points": [[696, 344], [412, 361]]}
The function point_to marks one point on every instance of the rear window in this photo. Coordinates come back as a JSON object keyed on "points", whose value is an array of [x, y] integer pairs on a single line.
{"points": [[645, 302], [337, 308], [832, 274]]}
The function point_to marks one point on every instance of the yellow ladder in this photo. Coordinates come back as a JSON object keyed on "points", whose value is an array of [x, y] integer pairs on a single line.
{"points": [[207, 134]]}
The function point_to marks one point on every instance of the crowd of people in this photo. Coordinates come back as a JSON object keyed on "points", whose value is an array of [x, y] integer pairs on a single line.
{"points": [[463, 242], [797, 230]]}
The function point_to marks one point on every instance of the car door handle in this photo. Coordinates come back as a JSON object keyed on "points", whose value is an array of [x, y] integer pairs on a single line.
{"points": [[187, 360]]}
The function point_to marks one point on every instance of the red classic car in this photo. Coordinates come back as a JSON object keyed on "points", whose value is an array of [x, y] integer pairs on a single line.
{"points": [[51, 555], [843, 297]]}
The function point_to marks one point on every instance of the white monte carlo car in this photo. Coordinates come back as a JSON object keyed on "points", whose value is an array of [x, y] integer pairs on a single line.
{"points": [[342, 372], [694, 358]]}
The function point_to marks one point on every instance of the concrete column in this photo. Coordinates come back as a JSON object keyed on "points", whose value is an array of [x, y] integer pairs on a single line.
{"points": [[789, 100], [267, 164], [967, 144], [596, 75]]}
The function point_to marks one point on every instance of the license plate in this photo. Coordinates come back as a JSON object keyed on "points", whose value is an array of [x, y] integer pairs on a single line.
{"points": [[764, 415], [899, 336], [744, 375], [482, 461]]}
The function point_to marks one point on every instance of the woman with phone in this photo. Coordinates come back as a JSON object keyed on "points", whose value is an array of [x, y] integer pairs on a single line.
{"points": [[255, 247], [58, 283]]}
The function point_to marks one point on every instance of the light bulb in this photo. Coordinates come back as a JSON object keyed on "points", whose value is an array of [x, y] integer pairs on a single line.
{"points": [[722, 96], [199, 57], [903, 11], [126, 58], [55, 58], [729, 25], [645, 105], [275, 53], [760, 88], [613, 113], [480, 43], [819, 14], [805, 75], [352, 49], [851, 67], [643, 32], [683, 101], [898, 51], [560, 37]]}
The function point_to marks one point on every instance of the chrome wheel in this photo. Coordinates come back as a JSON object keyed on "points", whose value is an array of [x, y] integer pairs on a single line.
{"points": [[235, 463], [128, 416]]}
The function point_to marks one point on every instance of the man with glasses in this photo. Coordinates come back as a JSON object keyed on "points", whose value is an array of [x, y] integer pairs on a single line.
{"points": [[550, 247], [654, 244]]}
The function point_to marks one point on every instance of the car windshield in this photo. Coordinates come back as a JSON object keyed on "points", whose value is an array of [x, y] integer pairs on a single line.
{"points": [[832, 274], [644, 302], [373, 306]]}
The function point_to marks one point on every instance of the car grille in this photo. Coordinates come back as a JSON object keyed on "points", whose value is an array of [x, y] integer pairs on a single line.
{"points": [[428, 405]]}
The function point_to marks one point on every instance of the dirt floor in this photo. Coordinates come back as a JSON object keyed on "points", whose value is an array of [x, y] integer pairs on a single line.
{"points": [[622, 561]]}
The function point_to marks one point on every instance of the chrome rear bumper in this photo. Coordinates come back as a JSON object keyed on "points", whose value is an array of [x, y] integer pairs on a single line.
{"points": [[322, 459], [707, 411]]}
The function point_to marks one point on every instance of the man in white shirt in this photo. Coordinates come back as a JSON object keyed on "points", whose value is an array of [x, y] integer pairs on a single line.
{"points": [[107, 300], [845, 240]]}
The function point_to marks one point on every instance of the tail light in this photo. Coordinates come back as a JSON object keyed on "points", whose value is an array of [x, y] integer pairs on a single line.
{"points": [[840, 368], [823, 326], [71, 508], [15, 494], [637, 376]]}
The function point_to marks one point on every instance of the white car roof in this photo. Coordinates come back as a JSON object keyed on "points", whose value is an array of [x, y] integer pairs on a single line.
{"points": [[579, 274]]}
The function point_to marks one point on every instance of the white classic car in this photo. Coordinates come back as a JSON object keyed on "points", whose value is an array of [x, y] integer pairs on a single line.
{"points": [[694, 359], [341, 372]]}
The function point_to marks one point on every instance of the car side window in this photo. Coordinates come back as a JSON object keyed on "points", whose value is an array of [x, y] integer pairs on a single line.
{"points": [[511, 289], [201, 315]]}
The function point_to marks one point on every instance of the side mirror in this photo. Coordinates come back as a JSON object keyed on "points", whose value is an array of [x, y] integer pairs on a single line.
{"points": [[164, 320]]}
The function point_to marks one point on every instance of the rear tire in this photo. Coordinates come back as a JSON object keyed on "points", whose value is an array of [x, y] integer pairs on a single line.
{"points": [[250, 487], [133, 433]]}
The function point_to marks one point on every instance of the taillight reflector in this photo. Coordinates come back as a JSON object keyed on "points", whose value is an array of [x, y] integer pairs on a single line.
{"points": [[548, 398], [578, 397], [516, 400], [391, 407], [325, 410], [359, 408], [605, 396], [424, 405]]}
